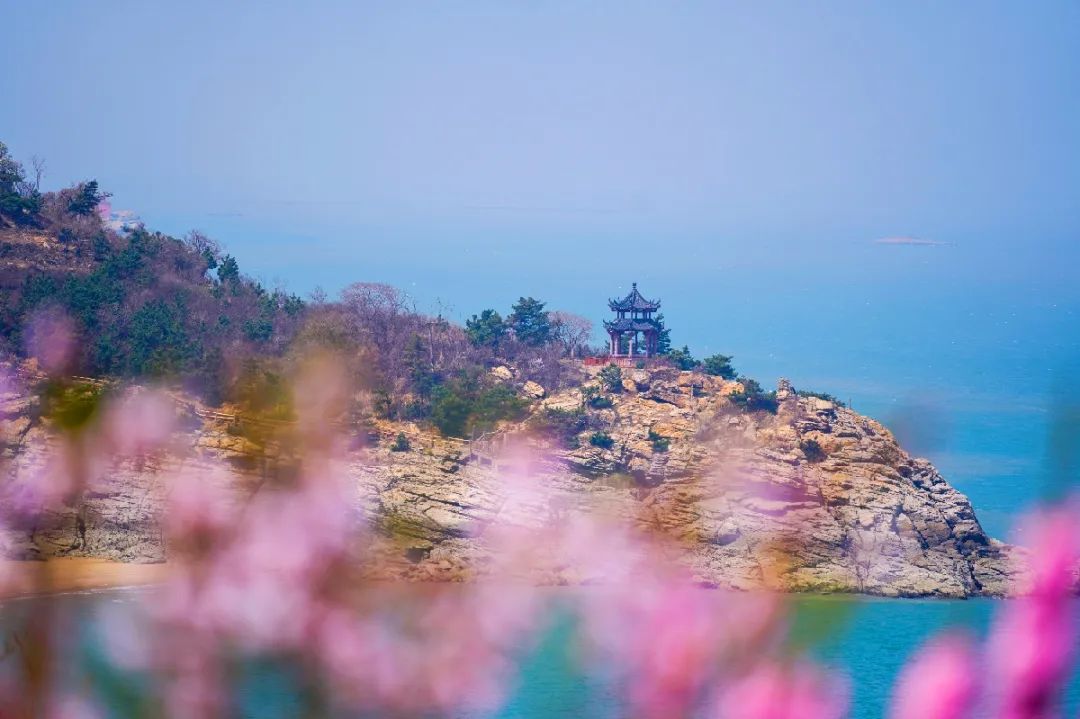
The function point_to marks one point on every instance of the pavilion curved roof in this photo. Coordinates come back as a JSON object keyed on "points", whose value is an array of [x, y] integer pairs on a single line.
{"points": [[633, 301], [626, 324]]}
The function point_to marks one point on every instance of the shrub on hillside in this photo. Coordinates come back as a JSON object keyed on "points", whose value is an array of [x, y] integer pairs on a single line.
{"points": [[486, 329], [561, 425], [753, 398], [611, 377], [663, 336], [821, 395], [148, 308], [682, 359], [601, 401], [602, 440], [719, 366], [20, 201], [529, 322], [660, 443], [465, 406], [813, 450], [86, 198], [450, 410]]}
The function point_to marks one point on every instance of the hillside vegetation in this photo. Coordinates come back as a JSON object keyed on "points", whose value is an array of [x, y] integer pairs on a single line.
{"points": [[144, 305], [147, 306]]}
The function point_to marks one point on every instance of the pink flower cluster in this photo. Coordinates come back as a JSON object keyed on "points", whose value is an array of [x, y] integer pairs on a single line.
{"points": [[244, 579], [675, 647], [133, 426], [1033, 643], [273, 573], [784, 690], [1031, 648], [265, 577], [941, 682], [448, 651]]}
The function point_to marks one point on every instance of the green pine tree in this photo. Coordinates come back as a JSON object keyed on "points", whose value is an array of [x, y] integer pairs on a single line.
{"points": [[663, 337], [530, 322]]}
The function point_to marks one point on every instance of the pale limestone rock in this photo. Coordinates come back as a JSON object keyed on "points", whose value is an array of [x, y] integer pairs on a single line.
{"points": [[502, 373], [734, 491], [533, 390], [565, 401]]}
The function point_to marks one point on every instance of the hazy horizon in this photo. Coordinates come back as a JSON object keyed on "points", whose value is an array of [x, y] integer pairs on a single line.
{"points": [[727, 138]]}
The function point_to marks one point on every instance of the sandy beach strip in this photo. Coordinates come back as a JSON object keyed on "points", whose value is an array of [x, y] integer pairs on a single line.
{"points": [[60, 575]]}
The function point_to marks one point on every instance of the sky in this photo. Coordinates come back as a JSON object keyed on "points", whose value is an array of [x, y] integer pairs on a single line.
{"points": [[474, 152], [879, 200], [331, 142]]}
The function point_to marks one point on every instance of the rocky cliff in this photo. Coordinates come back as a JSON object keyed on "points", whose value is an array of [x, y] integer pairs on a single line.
{"points": [[813, 498]]}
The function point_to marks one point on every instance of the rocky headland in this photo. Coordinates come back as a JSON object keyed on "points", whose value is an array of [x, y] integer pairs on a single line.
{"points": [[811, 498]]}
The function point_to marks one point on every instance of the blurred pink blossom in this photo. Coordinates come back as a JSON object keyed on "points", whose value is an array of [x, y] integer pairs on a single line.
{"points": [[71, 465], [443, 652], [71, 706], [674, 639], [195, 686], [1033, 641], [11, 698], [260, 588], [940, 682], [666, 638], [262, 573], [140, 422], [198, 505], [51, 340], [795, 690]]}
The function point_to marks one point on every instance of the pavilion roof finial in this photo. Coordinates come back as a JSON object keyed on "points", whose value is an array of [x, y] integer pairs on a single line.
{"points": [[634, 302]]}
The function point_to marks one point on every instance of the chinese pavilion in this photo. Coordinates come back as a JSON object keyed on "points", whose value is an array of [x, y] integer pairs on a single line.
{"points": [[633, 321]]}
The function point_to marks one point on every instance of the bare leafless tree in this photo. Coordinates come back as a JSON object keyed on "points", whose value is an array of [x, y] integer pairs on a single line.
{"points": [[206, 247], [37, 169], [571, 331], [383, 321]]}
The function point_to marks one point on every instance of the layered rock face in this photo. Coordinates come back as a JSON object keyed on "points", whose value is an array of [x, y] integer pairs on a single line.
{"points": [[117, 519], [813, 498]]}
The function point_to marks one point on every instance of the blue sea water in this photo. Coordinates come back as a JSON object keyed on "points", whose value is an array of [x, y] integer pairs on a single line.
{"points": [[867, 640]]}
